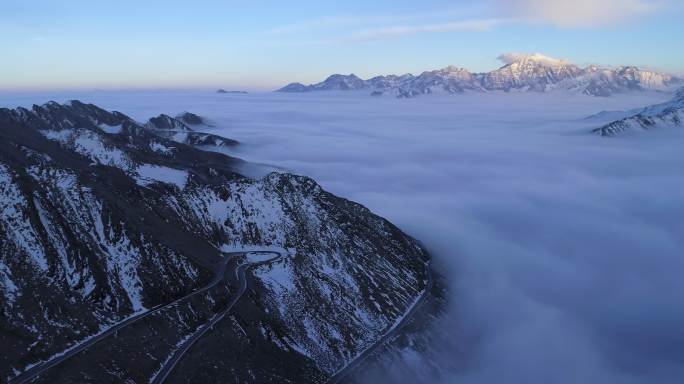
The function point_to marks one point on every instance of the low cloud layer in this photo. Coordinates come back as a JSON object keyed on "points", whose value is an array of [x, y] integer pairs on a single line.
{"points": [[563, 250]]}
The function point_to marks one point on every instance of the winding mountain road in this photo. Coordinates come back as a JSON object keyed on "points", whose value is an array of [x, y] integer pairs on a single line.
{"points": [[241, 279], [170, 364], [393, 331], [40, 368]]}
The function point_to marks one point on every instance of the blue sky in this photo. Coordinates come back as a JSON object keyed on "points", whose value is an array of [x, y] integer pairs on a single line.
{"points": [[265, 44]]}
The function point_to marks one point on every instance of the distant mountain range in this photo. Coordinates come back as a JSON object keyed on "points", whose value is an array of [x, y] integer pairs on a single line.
{"points": [[522, 72], [665, 115]]}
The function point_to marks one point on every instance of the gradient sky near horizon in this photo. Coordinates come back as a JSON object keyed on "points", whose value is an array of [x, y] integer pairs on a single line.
{"points": [[262, 44]]}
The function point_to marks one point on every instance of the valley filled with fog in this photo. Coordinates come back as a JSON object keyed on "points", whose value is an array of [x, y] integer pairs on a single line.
{"points": [[562, 249]]}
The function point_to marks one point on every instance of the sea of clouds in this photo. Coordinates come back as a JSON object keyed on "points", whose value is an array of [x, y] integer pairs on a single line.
{"points": [[564, 251]]}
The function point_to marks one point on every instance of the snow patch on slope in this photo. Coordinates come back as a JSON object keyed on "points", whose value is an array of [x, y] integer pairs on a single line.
{"points": [[9, 288], [149, 174], [91, 145], [59, 243], [111, 129], [84, 212], [16, 226], [123, 261], [161, 148]]}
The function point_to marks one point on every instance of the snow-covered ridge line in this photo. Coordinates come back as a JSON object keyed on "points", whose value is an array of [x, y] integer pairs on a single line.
{"points": [[77, 115], [521, 72], [660, 116]]}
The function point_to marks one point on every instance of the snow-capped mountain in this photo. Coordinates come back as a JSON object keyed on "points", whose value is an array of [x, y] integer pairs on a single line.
{"points": [[665, 115], [450, 79], [529, 72], [103, 218], [521, 72]]}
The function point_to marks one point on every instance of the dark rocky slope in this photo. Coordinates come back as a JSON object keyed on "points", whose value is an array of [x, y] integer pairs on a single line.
{"points": [[102, 217]]}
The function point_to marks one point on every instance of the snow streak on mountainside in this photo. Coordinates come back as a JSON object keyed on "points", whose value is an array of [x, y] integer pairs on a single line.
{"points": [[665, 115], [522, 72], [102, 217]]}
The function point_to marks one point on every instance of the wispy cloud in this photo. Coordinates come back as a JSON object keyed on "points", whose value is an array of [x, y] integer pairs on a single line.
{"points": [[492, 14], [361, 28], [332, 22], [579, 13], [384, 33]]}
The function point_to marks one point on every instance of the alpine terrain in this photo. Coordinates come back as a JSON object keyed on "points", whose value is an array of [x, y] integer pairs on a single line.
{"points": [[130, 253], [521, 72], [666, 115]]}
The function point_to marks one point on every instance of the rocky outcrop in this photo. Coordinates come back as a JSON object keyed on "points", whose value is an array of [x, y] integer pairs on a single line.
{"points": [[190, 119]]}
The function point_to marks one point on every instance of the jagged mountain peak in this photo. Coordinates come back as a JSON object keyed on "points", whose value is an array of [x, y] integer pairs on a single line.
{"points": [[72, 114], [167, 122], [74, 105], [342, 82], [294, 88], [529, 72], [338, 76], [190, 118], [454, 71]]}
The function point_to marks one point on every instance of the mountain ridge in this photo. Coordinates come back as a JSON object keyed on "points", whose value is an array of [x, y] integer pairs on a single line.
{"points": [[669, 114], [521, 72], [103, 217]]}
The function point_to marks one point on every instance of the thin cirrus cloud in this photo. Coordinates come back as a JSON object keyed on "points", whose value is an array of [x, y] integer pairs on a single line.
{"points": [[337, 22], [580, 13], [478, 25], [359, 33], [561, 13], [362, 28]]}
